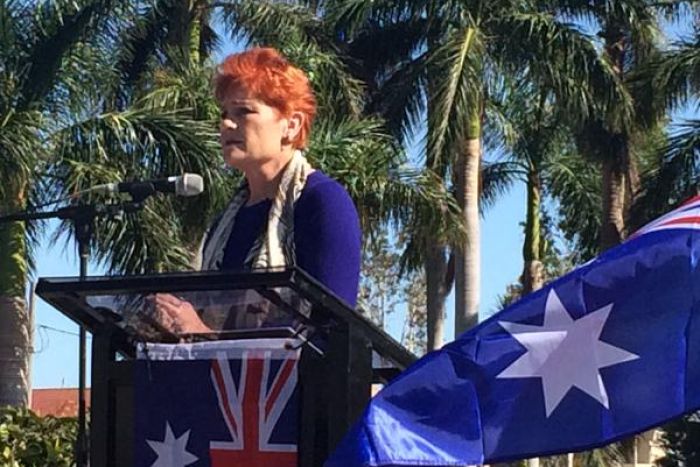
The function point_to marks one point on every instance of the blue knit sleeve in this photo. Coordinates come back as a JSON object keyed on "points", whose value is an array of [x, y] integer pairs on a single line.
{"points": [[328, 238]]}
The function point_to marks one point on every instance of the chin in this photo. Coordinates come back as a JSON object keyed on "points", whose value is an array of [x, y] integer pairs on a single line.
{"points": [[234, 158]]}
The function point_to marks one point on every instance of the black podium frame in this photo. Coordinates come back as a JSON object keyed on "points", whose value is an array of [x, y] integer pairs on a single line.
{"points": [[334, 386]]}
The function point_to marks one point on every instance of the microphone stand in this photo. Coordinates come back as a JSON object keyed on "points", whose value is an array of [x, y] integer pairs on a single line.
{"points": [[82, 216]]}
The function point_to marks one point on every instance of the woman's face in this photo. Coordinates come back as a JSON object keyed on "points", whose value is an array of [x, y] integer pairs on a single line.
{"points": [[251, 132]]}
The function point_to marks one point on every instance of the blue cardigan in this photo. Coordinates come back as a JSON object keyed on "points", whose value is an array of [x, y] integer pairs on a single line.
{"points": [[326, 234]]}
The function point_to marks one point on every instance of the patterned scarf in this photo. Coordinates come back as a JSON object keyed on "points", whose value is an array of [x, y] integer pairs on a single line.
{"points": [[275, 246]]}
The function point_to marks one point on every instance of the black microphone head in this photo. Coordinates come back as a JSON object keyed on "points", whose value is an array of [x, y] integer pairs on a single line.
{"points": [[189, 184]]}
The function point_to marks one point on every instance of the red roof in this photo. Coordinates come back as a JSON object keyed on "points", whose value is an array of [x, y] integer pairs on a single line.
{"points": [[57, 402]]}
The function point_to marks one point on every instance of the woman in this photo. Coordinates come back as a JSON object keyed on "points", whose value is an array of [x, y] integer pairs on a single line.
{"points": [[285, 213]]}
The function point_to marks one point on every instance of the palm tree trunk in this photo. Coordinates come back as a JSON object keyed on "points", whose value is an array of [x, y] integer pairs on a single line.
{"points": [[15, 352], [15, 332], [439, 272], [620, 161], [533, 270], [613, 223], [468, 257]]}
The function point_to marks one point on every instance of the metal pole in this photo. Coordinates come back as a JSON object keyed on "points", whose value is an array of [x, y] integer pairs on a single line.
{"points": [[30, 313], [83, 231]]}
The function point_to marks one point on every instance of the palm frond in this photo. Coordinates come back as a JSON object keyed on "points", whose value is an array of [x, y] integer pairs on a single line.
{"points": [[585, 84], [337, 91], [676, 178], [209, 39], [400, 42], [360, 155], [21, 147], [269, 22], [10, 32], [370, 165], [61, 26], [144, 242], [575, 184], [433, 219], [401, 99], [186, 87], [350, 16], [496, 179], [142, 144], [139, 47], [455, 105], [676, 74]]}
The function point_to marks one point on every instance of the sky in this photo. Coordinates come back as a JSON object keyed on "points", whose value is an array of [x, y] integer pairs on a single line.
{"points": [[55, 362]]}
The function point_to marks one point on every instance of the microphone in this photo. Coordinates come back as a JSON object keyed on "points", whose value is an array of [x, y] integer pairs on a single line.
{"points": [[182, 185]]}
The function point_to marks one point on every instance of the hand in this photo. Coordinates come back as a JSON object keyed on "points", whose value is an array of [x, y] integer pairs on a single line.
{"points": [[176, 315]]}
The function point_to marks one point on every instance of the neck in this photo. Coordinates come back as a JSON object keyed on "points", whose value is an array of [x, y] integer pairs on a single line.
{"points": [[263, 180]]}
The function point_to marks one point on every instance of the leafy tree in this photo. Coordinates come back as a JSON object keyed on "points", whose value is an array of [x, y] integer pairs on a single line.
{"points": [[379, 285], [32, 441], [414, 336]]}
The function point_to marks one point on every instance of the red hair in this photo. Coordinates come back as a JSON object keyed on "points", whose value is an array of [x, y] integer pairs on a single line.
{"points": [[268, 76]]}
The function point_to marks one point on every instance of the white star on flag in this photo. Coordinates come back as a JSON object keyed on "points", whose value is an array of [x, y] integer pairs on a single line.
{"points": [[172, 452], [565, 353]]}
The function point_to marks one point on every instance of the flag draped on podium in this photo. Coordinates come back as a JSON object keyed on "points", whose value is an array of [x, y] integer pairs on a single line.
{"points": [[217, 403], [608, 350]]}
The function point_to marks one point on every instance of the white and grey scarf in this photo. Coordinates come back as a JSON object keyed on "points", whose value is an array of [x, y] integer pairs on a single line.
{"points": [[275, 246]]}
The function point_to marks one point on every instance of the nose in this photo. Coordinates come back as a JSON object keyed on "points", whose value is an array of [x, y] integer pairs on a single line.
{"points": [[228, 124]]}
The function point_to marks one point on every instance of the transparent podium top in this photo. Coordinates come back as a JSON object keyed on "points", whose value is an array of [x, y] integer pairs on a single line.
{"points": [[219, 305], [211, 314], [186, 306]]}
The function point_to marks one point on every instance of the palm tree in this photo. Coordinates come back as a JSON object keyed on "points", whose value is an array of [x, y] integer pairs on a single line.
{"points": [[629, 32], [59, 133], [674, 175], [36, 41], [455, 49], [527, 128]]}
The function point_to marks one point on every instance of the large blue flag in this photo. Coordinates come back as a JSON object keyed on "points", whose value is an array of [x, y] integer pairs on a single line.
{"points": [[608, 350]]}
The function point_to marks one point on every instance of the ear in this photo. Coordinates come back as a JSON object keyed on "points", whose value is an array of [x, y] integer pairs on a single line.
{"points": [[293, 127]]}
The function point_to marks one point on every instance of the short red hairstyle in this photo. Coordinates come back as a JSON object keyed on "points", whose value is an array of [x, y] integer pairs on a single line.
{"points": [[269, 77]]}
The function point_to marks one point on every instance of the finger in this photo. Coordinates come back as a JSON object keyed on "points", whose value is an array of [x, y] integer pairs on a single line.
{"points": [[168, 299], [166, 309]]}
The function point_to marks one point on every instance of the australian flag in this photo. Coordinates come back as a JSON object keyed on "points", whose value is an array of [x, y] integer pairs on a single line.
{"points": [[608, 350], [216, 404]]}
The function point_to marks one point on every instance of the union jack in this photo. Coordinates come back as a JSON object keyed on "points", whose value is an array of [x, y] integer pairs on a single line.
{"points": [[251, 405]]}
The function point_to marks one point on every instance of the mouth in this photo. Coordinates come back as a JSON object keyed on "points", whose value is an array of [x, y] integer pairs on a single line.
{"points": [[232, 142]]}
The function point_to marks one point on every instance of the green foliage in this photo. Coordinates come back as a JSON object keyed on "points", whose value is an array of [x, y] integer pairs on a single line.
{"points": [[27, 440]]}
